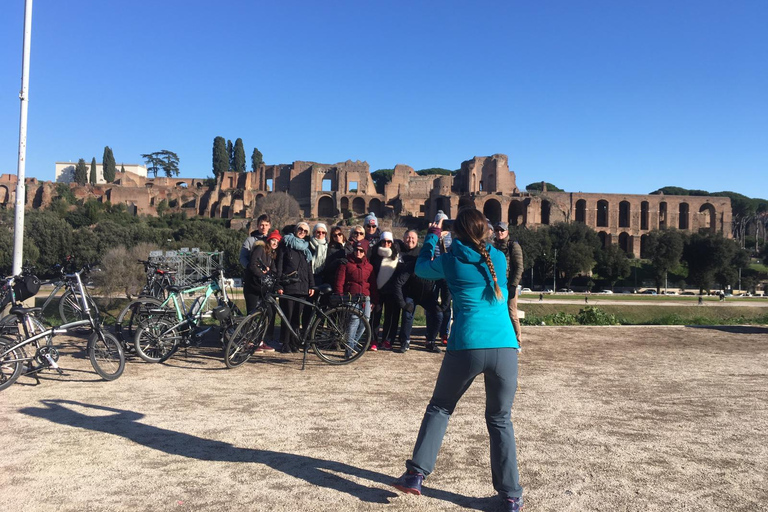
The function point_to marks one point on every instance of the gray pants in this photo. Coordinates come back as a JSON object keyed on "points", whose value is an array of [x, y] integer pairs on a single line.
{"points": [[459, 369]]}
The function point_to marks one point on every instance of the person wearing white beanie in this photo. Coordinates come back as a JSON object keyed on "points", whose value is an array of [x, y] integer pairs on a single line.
{"points": [[372, 232]]}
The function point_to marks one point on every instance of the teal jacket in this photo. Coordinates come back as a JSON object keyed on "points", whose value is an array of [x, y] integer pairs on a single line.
{"points": [[479, 319]]}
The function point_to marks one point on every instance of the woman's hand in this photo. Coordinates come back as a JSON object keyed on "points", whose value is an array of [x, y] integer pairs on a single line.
{"points": [[437, 225], [311, 292]]}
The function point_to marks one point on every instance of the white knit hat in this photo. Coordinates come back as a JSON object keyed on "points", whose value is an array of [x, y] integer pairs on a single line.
{"points": [[320, 225], [387, 235]]}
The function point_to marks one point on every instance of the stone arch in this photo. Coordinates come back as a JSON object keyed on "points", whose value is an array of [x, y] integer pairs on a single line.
{"points": [[605, 239], [644, 215], [374, 205], [546, 208], [181, 184], [325, 207], [625, 242], [625, 214], [492, 210], [344, 205], [708, 217], [517, 213], [358, 205], [644, 246], [683, 220], [259, 196], [581, 211], [4, 194], [663, 215], [602, 213]]}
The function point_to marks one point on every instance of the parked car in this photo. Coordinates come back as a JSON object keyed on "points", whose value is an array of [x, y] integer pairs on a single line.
{"points": [[526, 290], [669, 292], [605, 292], [687, 293], [648, 292], [564, 290]]}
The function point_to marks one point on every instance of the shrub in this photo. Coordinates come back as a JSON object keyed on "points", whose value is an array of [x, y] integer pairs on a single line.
{"points": [[591, 315]]}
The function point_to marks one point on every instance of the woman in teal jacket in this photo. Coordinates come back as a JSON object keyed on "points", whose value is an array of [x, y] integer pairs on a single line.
{"points": [[483, 341]]}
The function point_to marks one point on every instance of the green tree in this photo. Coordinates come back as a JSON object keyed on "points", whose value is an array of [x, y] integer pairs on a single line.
{"points": [[538, 187], [230, 156], [665, 249], [238, 157], [281, 208], [81, 172], [712, 258], [164, 160], [220, 157], [612, 264], [576, 245], [108, 165], [94, 176], [50, 234], [436, 170], [122, 168], [256, 159], [380, 179]]}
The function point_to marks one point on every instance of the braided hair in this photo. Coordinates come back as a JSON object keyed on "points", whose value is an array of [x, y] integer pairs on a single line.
{"points": [[470, 227]]}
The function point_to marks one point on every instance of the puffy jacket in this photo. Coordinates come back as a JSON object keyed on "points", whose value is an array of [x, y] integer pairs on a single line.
{"points": [[257, 259], [514, 254], [356, 277], [292, 265], [479, 319]]}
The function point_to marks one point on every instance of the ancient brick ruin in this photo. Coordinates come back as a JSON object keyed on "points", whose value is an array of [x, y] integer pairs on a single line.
{"points": [[346, 189]]}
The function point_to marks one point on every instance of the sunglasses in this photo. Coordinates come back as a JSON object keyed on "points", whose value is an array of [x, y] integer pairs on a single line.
{"points": [[360, 250], [319, 232], [359, 233], [371, 227], [338, 234], [500, 230], [388, 242], [301, 230]]}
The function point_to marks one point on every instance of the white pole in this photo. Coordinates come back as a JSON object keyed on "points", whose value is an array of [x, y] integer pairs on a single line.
{"points": [[18, 226]]}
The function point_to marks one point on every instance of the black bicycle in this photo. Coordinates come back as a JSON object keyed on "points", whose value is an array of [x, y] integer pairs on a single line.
{"points": [[104, 351], [338, 331]]}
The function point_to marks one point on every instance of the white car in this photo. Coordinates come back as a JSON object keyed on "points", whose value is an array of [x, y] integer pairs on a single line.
{"points": [[605, 292], [526, 290]]}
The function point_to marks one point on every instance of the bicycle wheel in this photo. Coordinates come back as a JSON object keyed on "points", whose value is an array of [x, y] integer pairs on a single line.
{"points": [[70, 309], [341, 336], [156, 339], [106, 355], [9, 326], [243, 342], [10, 363], [132, 316]]}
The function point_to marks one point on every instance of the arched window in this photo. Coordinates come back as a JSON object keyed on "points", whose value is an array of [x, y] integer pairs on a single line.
{"points": [[492, 210], [325, 207], [602, 213], [545, 210], [625, 242], [581, 211], [358, 205], [683, 221], [708, 218], [644, 215], [624, 214], [663, 215]]}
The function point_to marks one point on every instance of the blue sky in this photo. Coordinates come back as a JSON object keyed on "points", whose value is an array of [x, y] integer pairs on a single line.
{"points": [[611, 96]]}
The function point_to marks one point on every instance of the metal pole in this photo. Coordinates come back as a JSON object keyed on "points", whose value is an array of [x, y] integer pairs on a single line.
{"points": [[18, 225], [554, 275]]}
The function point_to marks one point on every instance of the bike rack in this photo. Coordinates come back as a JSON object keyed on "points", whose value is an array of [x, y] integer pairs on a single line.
{"points": [[190, 264]]}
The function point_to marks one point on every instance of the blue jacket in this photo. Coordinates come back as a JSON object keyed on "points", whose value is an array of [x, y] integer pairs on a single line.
{"points": [[479, 319]]}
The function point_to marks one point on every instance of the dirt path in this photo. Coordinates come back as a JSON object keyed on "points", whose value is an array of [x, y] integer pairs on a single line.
{"points": [[607, 418]]}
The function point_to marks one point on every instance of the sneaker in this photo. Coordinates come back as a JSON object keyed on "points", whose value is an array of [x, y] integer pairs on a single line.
{"points": [[265, 348], [431, 347], [386, 345], [513, 504], [444, 341], [409, 483], [404, 347], [373, 347]]}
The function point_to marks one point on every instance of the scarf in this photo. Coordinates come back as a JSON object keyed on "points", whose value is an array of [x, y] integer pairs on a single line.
{"points": [[298, 244], [320, 249]]}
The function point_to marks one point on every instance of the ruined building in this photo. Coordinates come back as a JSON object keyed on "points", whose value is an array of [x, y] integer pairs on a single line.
{"points": [[346, 189]]}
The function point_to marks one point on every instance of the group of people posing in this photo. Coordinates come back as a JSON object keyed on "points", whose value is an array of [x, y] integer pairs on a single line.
{"points": [[474, 265]]}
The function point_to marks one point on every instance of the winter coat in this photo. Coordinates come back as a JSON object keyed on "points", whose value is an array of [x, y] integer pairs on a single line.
{"points": [[247, 247], [356, 277], [479, 319], [387, 287], [514, 255], [292, 265], [254, 271], [423, 291]]}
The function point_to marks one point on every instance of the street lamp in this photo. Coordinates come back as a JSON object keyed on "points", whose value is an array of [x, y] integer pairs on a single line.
{"points": [[554, 274]]}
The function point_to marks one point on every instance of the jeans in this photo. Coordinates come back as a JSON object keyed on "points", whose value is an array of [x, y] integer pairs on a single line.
{"points": [[434, 319], [459, 369], [356, 328], [446, 323]]}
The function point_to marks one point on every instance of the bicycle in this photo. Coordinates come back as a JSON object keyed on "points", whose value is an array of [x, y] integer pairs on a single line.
{"points": [[338, 331], [104, 351], [162, 329], [159, 280]]}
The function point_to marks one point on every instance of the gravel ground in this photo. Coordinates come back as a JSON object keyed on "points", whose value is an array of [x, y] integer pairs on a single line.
{"points": [[606, 418]]}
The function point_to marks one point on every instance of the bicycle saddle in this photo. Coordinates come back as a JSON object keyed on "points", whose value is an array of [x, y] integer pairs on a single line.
{"points": [[324, 289], [18, 310]]}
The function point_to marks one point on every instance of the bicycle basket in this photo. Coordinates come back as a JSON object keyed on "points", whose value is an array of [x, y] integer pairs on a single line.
{"points": [[26, 286], [268, 282], [221, 313]]}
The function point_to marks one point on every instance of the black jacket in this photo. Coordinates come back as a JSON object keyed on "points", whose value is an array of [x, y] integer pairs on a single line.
{"points": [[294, 272]]}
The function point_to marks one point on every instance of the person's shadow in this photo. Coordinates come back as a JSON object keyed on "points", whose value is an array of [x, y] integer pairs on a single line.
{"points": [[315, 471]]}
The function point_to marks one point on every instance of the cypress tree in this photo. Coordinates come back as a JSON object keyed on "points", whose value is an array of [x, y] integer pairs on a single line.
{"points": [[93, 171], [230, 155], [81, 172], [220, 157], [108, 165], [122, 168], [239, 156], [256, 159]]}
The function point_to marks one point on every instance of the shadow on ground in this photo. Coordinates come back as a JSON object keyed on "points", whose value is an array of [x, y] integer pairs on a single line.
{"points": [[320, 472]]}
